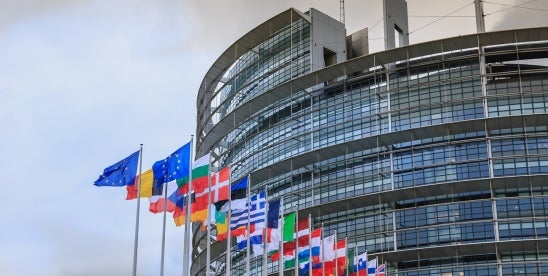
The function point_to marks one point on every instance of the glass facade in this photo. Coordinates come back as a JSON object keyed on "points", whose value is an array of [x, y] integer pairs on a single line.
{"points": [[436, 164]]}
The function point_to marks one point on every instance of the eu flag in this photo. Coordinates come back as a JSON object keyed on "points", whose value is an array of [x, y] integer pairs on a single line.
{"points": [[120, 174], [175, 166]]}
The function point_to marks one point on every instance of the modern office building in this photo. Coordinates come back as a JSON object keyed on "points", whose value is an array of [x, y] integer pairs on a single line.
{"points": [[433, 157]]}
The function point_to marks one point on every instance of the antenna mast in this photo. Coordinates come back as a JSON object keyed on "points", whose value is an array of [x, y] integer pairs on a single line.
{"points": [[480, 20], [342, 11]]}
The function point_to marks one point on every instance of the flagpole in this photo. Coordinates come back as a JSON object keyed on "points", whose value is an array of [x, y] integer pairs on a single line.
{"points": [[247, 268], [208, 227], [336, 256], [296, 242], [187, 243], [281, 245], [354, 261], [136, 242], [346, 250], [323, 254], [376, 265], [309, 244], [265, 233], [228, 261], [164, 224]]}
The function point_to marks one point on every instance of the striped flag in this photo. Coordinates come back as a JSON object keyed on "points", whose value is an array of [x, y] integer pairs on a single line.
{"points": [[381, 270], [372, 267]]}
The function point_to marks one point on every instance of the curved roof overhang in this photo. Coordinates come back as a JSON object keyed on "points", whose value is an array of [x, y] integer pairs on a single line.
{"points": [[245, 111], [247, 42]]}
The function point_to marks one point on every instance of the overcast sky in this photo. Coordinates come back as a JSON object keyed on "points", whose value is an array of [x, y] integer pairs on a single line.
{"points": [[84, 82]]}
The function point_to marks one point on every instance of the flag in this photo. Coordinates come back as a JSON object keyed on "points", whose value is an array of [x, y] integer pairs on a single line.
{"points": [[303, 240], [240, 184], [121, 173], [371, 267], [238, 222], [255, 238], [349, 262], [336, 257], [147, 180], [303, 232], [273, 238], [220, 187], [175, 166], [315, 243], [157, 202], [200, 188], [304, 268], [199, 206], [221, 222], [381, 270], [328, 244], [273, 213], [289, 258], [258, 249], [241, 242], [315, 250], [288, 227], [340, 261], [235, 205], [286, 235], [360, 265], [255, 214], [179, 215], [257, 210], [256, 242], [200, 173]]}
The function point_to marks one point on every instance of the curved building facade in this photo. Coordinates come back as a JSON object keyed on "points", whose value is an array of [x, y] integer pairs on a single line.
{"points": [[432, 157]]}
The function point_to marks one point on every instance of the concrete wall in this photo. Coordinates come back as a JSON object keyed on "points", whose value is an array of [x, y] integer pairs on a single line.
{"points": [[326, 34], [395, 21], [357, 44]]}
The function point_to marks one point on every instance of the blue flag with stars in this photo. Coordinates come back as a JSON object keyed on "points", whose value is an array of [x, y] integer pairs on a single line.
{"points": [[175, 166], [120, 174]]}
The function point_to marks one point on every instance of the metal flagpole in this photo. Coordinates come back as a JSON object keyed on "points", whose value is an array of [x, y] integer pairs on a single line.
{"points": [[376, 265], [336, 257], [323, 254], [309, 244], [265, 233], [164, 224], [281, 245], [229, 213], [136, 242], [355, 255], [187, 233], [208, 218], [296, 242], [346, 250], [248, 230]]}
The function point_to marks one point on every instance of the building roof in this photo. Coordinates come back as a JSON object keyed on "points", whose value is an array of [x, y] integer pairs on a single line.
{"points": [[246, 110], [247, 42]]}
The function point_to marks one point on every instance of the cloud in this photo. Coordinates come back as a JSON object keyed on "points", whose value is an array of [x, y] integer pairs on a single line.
{"points": [[82, 84]]}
